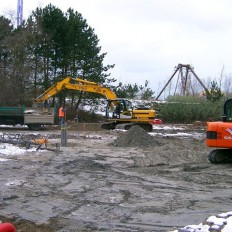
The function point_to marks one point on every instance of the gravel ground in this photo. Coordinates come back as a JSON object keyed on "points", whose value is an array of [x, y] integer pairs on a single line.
{"points": [[114, 181]]}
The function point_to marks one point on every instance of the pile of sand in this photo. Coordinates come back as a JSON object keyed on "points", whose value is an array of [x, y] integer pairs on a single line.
{"points": [[135, 137]]}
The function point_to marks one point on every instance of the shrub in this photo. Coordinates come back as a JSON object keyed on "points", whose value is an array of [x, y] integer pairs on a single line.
{"points": [[190, 109]]}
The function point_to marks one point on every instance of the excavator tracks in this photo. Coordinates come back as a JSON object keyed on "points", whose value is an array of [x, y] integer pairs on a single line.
{"points": [[220, 156], [126, 126]]}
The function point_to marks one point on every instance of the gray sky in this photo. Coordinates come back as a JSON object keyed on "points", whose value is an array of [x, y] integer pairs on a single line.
{"points": [[146, 39]]}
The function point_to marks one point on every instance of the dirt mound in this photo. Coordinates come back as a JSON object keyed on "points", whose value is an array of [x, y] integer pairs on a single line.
{"points": [[135, 137]]}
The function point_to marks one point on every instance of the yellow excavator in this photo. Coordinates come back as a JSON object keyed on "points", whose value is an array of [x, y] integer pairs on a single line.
{"points": [[119, 112]]}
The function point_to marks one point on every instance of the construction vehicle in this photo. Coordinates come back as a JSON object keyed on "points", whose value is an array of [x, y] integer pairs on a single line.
{"points": [[33, 118], [119, 112], [219, 135]]}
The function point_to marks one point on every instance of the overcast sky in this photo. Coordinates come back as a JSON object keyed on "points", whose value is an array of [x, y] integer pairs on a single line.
{"points": [[146, 39]]}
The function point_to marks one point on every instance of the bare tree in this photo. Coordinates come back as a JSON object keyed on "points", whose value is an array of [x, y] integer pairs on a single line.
{"points": [[227, 84], [221, 77]]}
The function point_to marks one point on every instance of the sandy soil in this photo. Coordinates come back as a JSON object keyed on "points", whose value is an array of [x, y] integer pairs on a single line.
{"points": [[99, 182]]}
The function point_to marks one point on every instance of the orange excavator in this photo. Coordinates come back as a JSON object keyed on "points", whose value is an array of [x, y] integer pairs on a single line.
{"points": [[219, 135], [119, 112]]}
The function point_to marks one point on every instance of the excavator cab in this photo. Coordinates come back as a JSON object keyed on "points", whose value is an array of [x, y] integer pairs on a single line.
{"points": [[227, 117], [118, 108]]}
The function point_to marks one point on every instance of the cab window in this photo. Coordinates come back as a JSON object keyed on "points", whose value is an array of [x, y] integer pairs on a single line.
{"points": [[228, 110]]}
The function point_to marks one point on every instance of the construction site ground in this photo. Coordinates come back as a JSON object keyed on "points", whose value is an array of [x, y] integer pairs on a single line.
{"points": [[113, 181]]}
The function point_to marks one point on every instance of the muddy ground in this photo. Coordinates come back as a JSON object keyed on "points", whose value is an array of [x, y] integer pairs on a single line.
{"points": [[114, 181]]}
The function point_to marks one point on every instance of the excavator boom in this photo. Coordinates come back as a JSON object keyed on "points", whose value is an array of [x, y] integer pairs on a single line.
{"points": [[76, 84]]}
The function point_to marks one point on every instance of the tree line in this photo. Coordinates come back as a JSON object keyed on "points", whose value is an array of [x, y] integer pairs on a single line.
{"points": [[47, 47]]}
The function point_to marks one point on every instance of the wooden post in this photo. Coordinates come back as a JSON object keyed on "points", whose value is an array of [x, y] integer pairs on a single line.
{"points": [[64, 134]]}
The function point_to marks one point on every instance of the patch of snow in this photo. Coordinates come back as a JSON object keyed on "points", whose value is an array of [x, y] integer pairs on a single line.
{"points": [[15, 126], [15, 183], [10, 149], [194, 228], [228, 227], [178, 134], [221, 222], [216, 221], [167, 127], [198, 136]]}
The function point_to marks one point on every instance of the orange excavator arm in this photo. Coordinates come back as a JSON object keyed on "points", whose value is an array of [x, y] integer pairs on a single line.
{"points": [[76, 84]]}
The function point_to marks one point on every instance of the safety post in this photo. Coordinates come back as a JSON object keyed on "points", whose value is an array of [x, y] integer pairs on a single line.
{"points": [[64, 134]]}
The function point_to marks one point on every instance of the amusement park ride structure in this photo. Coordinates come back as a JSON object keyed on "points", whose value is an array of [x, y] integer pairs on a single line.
{"points": [[183, 80]]}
